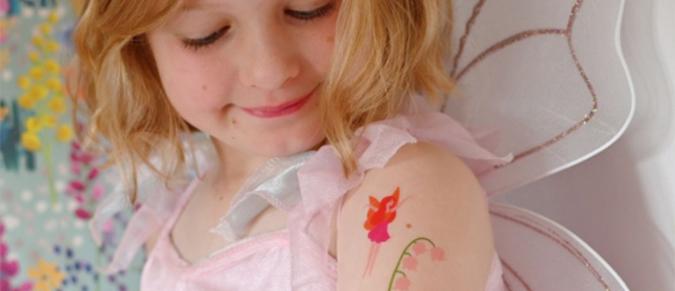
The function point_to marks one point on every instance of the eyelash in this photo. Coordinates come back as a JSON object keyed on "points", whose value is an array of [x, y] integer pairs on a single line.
{"points": [[305, 16]]}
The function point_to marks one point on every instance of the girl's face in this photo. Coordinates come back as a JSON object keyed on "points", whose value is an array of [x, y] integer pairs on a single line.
{"points": [[245, 71]]}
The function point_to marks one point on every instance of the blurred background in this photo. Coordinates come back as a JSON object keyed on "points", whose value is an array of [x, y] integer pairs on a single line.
{"points": [[49, 187]]}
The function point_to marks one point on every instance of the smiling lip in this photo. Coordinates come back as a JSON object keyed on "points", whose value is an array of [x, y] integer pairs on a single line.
{"points": [[280, 110]]}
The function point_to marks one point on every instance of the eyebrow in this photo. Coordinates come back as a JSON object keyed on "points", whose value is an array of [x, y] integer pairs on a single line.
{"points": [[187, 8], [200, 5]]}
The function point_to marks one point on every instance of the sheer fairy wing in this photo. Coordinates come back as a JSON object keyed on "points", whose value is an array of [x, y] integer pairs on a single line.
{"points": [[538, 254], [543, 80]]}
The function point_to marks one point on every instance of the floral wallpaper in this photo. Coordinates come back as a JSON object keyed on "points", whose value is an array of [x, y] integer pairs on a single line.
{"points": [[49, 186]]}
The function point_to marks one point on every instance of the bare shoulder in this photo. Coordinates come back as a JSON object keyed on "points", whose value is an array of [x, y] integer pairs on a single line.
{"points": [[421, 220], [424, 171]]}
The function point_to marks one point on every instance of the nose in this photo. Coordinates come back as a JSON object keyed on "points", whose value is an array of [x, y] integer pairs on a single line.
{"points": [[268, 60]]}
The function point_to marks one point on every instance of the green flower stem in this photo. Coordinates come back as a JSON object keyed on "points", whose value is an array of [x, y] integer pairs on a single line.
{"points": [[98, 263], [50, 172], [400, 259]]}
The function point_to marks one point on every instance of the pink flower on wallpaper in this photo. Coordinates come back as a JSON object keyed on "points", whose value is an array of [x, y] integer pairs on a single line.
{"points": [[77, 186], [97, 192], [28, 286], [9, 268], [83, 187], [108, 226], [83, 214], [75, 167], [93, 174], [5, 285], [3, 250], [86, 158], [4, 8]]}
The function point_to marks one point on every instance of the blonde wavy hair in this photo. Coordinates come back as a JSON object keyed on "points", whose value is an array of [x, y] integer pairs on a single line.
{"points": [[385, 52]]}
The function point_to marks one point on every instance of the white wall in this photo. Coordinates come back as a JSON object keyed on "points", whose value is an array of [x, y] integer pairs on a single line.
{"points": [[622, 202]]}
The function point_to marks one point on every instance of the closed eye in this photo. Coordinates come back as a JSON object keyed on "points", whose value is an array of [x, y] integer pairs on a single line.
{"points": [[311, 15], [205, 41], [305, 16]]}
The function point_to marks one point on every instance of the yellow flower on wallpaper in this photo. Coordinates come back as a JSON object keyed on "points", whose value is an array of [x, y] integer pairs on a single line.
{"points": [[33, 125], [46, 276], [51, 46], [52, 66], [31, 141], [64, 133], [34, 56], [57, 104], [23, 82], [38, 92], [48, 120], [53, 17], [38, 41], [54, 84], [46, 28], [37, 73], [4, 59], [27, 102], [42, 94]]}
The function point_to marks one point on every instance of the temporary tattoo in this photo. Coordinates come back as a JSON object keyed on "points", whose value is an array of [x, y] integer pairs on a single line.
{"points": [[380, 214], [410, 258]]}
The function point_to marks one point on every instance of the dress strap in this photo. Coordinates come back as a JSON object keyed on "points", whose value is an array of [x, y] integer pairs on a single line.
{"points": [[144, 223], [157, 200], [178, 209]]}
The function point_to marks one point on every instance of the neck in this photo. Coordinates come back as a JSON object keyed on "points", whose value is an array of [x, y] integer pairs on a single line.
{"points": [[234, 165]]}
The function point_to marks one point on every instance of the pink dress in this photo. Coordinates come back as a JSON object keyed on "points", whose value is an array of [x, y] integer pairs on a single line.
{"points": [[295, 258]]}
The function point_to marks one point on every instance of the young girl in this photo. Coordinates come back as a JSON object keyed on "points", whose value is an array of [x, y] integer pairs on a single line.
{"points": [[324, 168]]}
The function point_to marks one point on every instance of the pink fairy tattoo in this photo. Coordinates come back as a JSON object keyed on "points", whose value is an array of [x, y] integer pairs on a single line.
{"points": [[380, 214], [410, 258]]}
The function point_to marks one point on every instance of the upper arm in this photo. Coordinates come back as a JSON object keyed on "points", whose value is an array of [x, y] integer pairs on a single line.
{"points": [[440, 203]]}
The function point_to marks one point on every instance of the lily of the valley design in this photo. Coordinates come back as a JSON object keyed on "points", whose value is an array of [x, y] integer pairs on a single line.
{"points": [[409, 260]]}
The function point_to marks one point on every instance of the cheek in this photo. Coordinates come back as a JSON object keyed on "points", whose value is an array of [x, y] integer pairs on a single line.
{"points": [[324, 61], [194, 83], [325, 45]]}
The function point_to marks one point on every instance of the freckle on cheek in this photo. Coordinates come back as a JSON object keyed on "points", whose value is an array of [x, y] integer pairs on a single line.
{"points": [[204, 87], [330, 39]]}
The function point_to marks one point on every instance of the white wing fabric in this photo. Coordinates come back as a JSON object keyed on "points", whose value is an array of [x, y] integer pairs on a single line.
{"points": [[539, 254], [545, 81]]}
